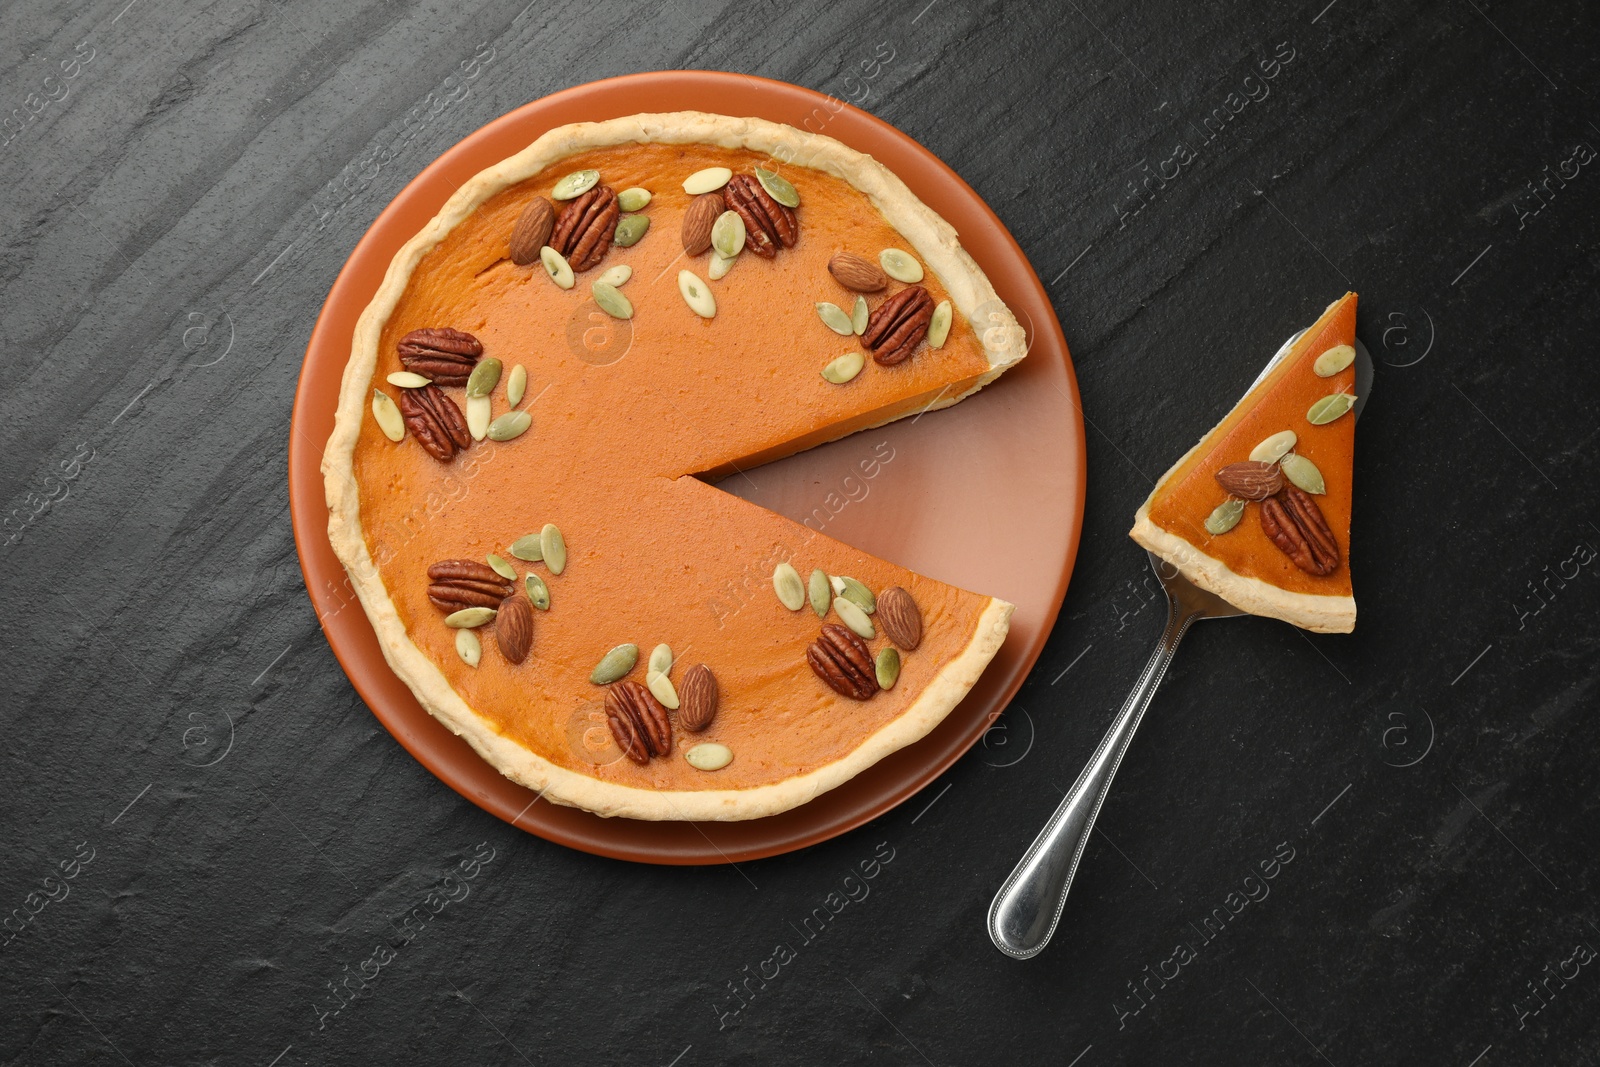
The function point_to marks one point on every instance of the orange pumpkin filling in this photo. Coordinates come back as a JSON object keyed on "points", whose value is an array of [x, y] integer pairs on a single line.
{"points": [[628, 417]]}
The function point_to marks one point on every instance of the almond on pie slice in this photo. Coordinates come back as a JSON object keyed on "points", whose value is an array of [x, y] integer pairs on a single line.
{"points": [[596, 329], [1259, 511]]}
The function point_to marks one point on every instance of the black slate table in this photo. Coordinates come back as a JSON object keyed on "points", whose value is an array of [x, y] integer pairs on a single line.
{"points": [[211, 847]]}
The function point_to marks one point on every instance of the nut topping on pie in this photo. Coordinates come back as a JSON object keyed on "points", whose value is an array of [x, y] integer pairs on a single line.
{"points": [[435, 421], [513, 627], [585, 227], [704, 210], [900, 618], [532, 231], [841, 659], [857, 273], [454, 584], [445, 355], [697, 698], [638, 722], [898, 325], [767, 223], [1295, 524], [1250, 480]]}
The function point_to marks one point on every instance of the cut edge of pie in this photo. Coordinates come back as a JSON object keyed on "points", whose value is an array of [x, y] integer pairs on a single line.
{"points": [[1317, 612], [1004, 344]]}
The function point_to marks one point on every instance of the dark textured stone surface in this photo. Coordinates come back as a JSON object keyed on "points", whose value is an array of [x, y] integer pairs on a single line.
{"points": [[173, 216]]}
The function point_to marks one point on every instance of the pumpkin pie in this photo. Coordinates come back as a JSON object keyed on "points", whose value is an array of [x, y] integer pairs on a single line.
{"points": [[1259, 511], [554, 373]]}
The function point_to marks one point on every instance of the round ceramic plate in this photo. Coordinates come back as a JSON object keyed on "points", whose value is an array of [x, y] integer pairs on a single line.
{"points": [[987, 495]]}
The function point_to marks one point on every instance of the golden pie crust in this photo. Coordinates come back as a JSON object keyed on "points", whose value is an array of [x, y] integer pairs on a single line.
{"points": [[516, 717]]}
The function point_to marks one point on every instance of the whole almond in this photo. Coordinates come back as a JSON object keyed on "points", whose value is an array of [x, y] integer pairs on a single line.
{"points": [[697, 222], [856, 273], [900, 618], [532, 231], [513, 627], [697, 697], [1250, 480]]}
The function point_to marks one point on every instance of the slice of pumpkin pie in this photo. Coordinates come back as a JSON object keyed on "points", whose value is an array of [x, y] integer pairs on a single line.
{"points": [[1259, 511]]}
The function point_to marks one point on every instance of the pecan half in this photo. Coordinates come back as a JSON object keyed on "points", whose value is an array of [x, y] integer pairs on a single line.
{"points": [[1250, 480], [513, 627], [585, 227], [898, 325], [767, 223], [1292, 521], [435, 421], [445, 355], [465, 583], [841, 659], [638, 722]]}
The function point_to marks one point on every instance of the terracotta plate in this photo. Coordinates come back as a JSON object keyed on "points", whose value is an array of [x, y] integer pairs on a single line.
{"points": [[987, 495]]}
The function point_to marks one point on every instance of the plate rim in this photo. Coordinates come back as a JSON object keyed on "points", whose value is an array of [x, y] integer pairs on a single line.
{"points": [[308, 510]]}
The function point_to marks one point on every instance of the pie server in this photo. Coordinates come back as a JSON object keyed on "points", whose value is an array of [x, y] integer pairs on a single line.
{"points": [[1028, 907]]}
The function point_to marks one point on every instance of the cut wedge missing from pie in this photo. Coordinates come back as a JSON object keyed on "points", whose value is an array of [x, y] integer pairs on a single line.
{"points": [[536, 399], [1259, 511]]}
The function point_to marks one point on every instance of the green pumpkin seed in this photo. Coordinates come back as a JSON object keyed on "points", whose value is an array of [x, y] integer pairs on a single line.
{"points": [[790, 589], [845, 368], [630, 230], [706, 181], [615, 664], [484, 377], [697, 294], [510, 426], [501, 567], [660, 659], [528, 548], [617, 275], [611, 300], [901, 266], [406, 379], [467, 618], [728, 234], [1333, 361], [1329, 408], [852, 616], [1225, 517], [556, 265], [633, 199], [538, 592], [554, 547], [480, 409], [516, 385], [468, 647], [778, 187], [387, 414], [1274, 448], [575, 185], [888, 668], [939, 325], [820, 592], [720, 265], [834, 318], [1302, 472], [859, 315], [662, 687], [855, 591], [709, 756]]}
